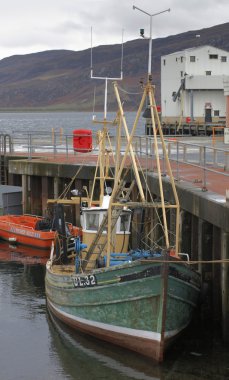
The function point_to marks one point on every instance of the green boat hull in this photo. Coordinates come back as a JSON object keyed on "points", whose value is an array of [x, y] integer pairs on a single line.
{"points": [[141, 306]]}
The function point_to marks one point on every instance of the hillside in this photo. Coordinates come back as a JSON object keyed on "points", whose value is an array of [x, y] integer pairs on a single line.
{"points": [[60, 79]]}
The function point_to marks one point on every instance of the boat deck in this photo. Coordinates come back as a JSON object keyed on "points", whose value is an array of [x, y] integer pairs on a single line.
{"points": [[67, 270]]}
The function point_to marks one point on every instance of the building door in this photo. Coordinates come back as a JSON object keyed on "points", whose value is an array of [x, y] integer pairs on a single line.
{"points": [[208, 115]]}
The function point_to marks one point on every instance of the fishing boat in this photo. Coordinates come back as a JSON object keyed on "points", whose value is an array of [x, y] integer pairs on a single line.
{"points": [[140, 297], [31, 230]]}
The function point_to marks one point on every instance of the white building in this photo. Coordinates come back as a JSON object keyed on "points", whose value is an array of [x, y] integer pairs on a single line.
{"points": [[192, 85]]}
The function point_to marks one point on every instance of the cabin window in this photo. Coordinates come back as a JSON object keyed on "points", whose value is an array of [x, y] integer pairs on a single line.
{"points": [[213, 56], [181, 59], [125, 222], [192, 58], [164, 62], [181, 74], [208, 72], [223, 59], [92, 221]]}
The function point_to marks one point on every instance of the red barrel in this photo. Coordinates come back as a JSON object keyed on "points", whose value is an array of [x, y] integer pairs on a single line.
{"points": [[82, 140]]}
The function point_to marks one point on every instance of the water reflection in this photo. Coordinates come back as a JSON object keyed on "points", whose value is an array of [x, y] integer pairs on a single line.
{"points": [[36, 347], [22, 254], [199, 354], [88, 358]]}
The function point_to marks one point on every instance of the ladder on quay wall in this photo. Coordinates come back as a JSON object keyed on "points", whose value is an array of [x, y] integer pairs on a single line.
{"points": [[3, 171], [5, 146]]}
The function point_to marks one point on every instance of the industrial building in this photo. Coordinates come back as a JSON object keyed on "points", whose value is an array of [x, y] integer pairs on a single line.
{"points": [[193, 85]]}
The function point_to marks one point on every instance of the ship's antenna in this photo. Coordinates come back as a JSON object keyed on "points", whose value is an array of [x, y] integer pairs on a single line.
{"points": [[91, 54], [106, 79], [94, 101], [150, 37], [122, 55]]}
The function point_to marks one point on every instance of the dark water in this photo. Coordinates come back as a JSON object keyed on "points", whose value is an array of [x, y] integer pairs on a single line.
{"points": [[35, 347], [22, 122]]}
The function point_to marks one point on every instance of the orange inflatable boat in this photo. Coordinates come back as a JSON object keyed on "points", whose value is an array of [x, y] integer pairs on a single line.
{"points": [[30, 230]]}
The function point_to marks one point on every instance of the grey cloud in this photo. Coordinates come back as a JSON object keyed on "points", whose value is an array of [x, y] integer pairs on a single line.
{"points": [[65, 24]]}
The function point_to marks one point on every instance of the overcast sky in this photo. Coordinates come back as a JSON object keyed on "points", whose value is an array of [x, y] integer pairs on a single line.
{"points": [[29, 26]]}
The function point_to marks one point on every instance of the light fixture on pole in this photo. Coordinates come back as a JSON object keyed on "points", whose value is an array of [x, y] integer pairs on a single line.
{"points": [[150, 37]]}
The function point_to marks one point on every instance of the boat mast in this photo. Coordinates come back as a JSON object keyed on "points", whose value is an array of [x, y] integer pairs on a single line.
{"points": [[156, 124], [103, 156], [149, 93]]}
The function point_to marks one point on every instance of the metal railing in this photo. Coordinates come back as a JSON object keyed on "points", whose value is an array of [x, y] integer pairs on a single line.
{"points": [[204, 158]]}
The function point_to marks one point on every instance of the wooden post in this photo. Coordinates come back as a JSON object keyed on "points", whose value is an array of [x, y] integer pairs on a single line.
{"points": [[216, 275], [25, 195], [44, 194], [200, 245], [56, 187], [227, 111], [225, 285]]}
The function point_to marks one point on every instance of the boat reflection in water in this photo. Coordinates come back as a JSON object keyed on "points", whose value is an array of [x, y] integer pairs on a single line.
{"points": [[84, 357], [22, 254], [90, 358]]}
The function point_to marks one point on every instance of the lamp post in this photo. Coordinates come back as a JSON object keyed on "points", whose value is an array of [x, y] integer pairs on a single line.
{"points": [[150, 37]]}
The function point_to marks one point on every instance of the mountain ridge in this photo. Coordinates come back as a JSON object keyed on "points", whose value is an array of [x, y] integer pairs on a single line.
{"points": [[60, 79]]}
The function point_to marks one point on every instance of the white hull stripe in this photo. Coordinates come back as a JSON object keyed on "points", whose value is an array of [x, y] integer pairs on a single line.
{"points": [[117, 329]]}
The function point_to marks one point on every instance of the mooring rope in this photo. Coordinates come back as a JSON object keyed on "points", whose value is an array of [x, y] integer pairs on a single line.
{"points": [[191, 262]]}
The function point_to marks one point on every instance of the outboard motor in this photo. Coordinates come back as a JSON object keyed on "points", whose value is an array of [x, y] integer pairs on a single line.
{"points": [[60, 226]]}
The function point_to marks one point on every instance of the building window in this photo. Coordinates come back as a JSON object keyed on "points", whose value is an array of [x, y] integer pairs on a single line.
{"points": [[213, 56], [216, 112], [181, 59], [164, 61], [223, 59], [208, 73], [181, 74], [192, 58]]}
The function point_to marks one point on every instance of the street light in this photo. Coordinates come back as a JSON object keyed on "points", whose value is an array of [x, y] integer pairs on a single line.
{"points": [[150, 37]]}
